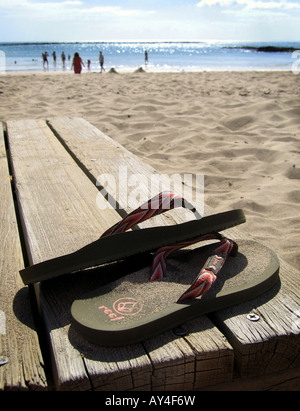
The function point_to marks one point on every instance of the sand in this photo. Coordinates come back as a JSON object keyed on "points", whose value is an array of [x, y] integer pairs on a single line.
{"points": [[240, 129]]}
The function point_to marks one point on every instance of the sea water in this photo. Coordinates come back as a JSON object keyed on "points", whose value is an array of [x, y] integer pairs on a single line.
{"points": [[162, 56]]}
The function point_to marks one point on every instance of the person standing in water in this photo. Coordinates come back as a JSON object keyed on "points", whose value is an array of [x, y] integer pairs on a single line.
{"points": [[54, 58], [101, 61], [63, 59], [45, 60], [77, 64]]}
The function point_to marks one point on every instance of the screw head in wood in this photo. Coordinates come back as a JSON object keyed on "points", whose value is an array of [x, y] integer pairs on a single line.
{"points": [[253, 317], [3, 360]]}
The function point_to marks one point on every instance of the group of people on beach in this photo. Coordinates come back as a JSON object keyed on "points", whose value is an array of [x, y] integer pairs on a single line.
{"points": [[77, 62], [45, 56]]}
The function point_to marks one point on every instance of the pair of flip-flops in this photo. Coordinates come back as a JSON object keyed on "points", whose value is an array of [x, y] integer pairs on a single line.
{"points": [[138, 306]]}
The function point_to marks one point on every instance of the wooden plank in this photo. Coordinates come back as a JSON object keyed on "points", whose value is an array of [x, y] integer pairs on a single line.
{"points": [[99, 156], [286, 380], [201, 358], [273, 343], [126, 368], [268, 345], [59, 214], [116, 171], [18, 336]]}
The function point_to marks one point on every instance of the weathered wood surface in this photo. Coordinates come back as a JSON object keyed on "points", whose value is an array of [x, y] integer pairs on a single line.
{"points": [[59, 214], [286, 380], [270, 345], [18, 337]]}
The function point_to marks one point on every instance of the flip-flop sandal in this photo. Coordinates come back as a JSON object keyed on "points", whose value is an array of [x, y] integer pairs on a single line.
{"points": [[116, 244], [133, 308]]}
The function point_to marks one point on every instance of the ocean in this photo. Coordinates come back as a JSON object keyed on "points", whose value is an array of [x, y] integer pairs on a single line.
{"points": [[162, 56]]}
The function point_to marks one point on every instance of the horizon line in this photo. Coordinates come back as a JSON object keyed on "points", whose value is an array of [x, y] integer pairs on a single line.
{"points": [[146, 41]]}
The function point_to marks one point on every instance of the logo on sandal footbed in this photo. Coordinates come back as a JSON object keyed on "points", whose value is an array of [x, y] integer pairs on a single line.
{"points": [[127, 306], [122, 307]]}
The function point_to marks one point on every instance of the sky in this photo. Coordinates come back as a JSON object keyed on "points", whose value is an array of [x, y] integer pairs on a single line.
{"points": [[142, 20]]}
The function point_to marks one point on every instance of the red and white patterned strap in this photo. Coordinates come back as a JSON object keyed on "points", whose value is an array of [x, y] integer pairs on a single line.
{"points": [[159, 267], [210, 270], [157, 205]]}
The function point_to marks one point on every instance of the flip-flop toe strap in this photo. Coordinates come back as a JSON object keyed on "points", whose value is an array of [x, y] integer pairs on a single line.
{"points": [[159, 267], [208, 274], [210, 270], [159, 204]]}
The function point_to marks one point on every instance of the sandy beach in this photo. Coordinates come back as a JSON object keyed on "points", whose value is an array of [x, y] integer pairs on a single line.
{"points": [[240, 129]]}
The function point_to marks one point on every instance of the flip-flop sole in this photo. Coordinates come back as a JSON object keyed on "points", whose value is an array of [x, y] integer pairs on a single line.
{"points": [[133, 309], [123, 245]]}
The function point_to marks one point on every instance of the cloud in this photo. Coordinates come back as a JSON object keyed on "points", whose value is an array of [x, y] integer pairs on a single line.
{"points": [[252, 4], [116, 11], [18, 7], [27, 4], [67, 9]]}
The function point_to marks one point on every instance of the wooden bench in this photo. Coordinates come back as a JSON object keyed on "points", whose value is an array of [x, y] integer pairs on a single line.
{"points": [[19, 342], [57, 166]]}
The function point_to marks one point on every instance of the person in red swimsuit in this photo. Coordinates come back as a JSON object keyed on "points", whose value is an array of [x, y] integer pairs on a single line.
{"points": [[77, 64]]}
